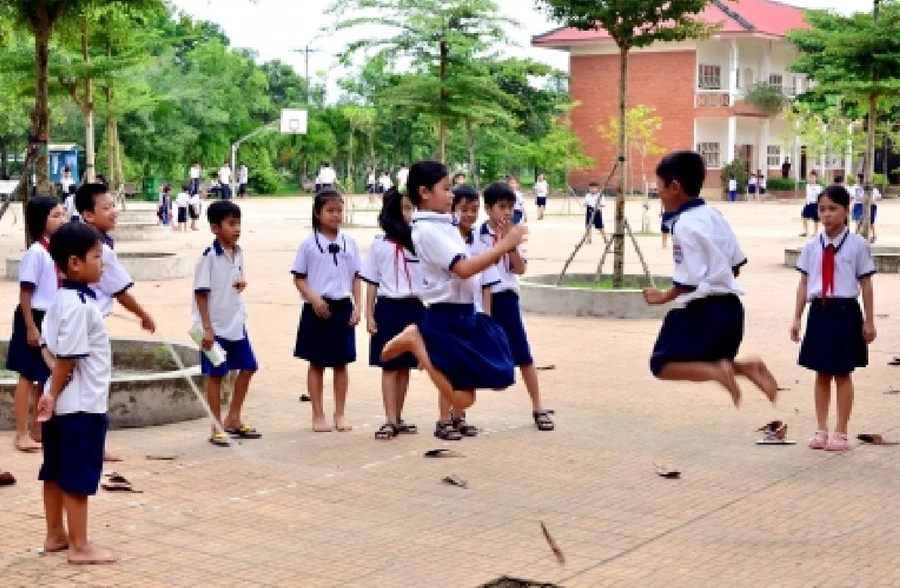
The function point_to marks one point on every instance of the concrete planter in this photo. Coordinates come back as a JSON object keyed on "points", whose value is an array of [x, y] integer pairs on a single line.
{"points": [[147, 387], [140, 265], [540, 295], [887, 259]]}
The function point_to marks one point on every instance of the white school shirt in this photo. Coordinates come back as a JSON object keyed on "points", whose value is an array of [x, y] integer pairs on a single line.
{"points": [[243, 174], [370, 180], [69, 205], [732, 185], [216, 274], [385, 182], [751, 181], [327, 176], [328, 266], [519, 204], [706, 251], [195, 200], [762, 182], [181, 201], [225, 175], [37, 268], [390, 267], [195, 172], [541, 188], [65, 183], [401, 176], [486, 279], [113, 281], [73, 329], [852, 262], [506, 280], [591, 199], [812, 193], [859, 194], [439, 247]]}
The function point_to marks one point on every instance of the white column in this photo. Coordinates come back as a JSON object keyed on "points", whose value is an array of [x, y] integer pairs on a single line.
{"points": [[764, 147], [795, 159], [731, 141], [848, 157], [735, 66], [767, 63]]}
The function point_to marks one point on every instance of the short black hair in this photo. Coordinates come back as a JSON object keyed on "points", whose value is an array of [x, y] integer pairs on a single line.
{"points": [[459, 175], [464, 192], [594, 184], [685, 167], [37, 210], [499, 192], [219, 210], [86, 196], [837, 194], [838, 179], [72, 239]]}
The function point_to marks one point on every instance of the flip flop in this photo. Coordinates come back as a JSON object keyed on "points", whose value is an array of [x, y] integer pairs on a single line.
{"points": [[453, 480], [120, 488], [219, 440], [243, 432], [443, 453], [7, 479], [664, 472]]}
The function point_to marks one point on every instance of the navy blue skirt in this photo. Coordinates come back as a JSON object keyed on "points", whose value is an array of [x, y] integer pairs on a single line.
{"points": [[506, 312], [597, 220], [392, 315], [326, 342], [467, 347], [833, 343], [706, 329], [21, 357], [810, 211]]}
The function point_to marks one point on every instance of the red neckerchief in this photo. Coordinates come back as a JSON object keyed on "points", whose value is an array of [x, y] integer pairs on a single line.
{"points": [[399, 253], [45, 243], [828, 264]]}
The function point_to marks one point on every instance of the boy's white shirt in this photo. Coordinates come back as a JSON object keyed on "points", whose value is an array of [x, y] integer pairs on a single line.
{"points": [[732, 184], [181, 201]]}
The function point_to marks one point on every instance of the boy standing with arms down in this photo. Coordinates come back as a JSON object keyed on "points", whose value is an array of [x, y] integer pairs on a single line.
{"points": [[73, 409], [219, 310], [699, 340]]}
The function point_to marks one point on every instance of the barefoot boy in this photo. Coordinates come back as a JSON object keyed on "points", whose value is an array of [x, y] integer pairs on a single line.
{"points": [[698, 341], [73, 409], [218, 308]]}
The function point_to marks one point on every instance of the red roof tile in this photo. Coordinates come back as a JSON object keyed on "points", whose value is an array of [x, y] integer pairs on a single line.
{"points": [[763, 17]]}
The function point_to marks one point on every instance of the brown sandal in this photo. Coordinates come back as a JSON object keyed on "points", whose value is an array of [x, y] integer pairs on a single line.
{"points": [[543, 420], [445, 431]]}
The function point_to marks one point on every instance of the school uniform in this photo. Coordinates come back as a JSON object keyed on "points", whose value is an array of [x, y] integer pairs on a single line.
{"points": [[751, 185], [181, 204], [243, 179], [69, 208], [859, 198], [38, 270], [216, 274], [833, 342], [708, 321], [195, 179], [505, 309], [732, 190], [164, 209], [327, 178], [518, 208], [762, 185], [591, 202], [75, 436], [194, 204], [329, 268], [113, 281], [370, 184], [225, 182], [811, 208], [394, 270], [665, 223], [469, 348], [541, 189], [484, 280]]}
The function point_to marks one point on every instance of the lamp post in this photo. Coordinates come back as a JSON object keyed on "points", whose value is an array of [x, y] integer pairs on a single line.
{"points": [[306, 50]]}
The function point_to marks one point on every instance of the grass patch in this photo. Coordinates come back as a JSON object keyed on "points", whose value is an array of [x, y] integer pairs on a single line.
{"points": [[606, 283], [8, 375]]}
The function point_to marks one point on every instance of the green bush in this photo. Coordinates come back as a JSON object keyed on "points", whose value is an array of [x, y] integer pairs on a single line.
{"points": [[737, 169], [784, 184]]}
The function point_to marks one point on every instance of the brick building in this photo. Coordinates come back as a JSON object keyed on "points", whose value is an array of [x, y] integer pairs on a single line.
{"points": [[696, 87]]}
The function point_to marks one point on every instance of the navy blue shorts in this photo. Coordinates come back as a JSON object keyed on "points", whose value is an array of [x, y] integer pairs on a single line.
{"points": [[73, 447], [597, 220], [540, 200], [751, 189], [182, 214], [873, 212], [707, 329], [833, 342], [517, 217], [467, 347], [238, 356], [392, 315], [506, 312], [326, 342], [810, 211], [21, 357]]}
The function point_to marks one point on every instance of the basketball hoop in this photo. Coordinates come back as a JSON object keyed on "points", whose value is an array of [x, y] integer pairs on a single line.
{"points": [[293, 121]]}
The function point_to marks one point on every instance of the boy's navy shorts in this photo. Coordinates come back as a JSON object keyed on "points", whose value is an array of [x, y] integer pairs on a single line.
{"points": [[238, 356], [707, 329], [73, 447]]}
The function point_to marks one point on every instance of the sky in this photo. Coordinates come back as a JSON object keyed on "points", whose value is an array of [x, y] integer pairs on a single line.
{"points": [[276, 28]]}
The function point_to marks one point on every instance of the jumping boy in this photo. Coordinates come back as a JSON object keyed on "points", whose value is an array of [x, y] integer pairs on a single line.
{"points": [[218, 308], [499, 202], [699, 340], [73, 409]]}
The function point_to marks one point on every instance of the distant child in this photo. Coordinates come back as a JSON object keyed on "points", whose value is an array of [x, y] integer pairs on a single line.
{"points": [[835, 267], [195, 204], [215, 188], [326, 273], [751, 187], [370, 186], [164, 209], [541, 191], [402, 175], [859, 198], [38, 283], [243, 180], [225, 177], [461, 350], [66, 182], [391, 273], [699, 340], [74, 406], [385, 183], [761, 186], [195, 173], [459, 179], [218, 283], [518, 212], [732, 189], [181, 206], [594, 202], [810, 210]]}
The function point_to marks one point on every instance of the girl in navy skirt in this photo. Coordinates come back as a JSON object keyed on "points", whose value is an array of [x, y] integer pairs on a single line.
{"points": [[460, 349], [835, 267], [810, 211], [859, 198], [38, 282], [326, 272], [391, 305]]}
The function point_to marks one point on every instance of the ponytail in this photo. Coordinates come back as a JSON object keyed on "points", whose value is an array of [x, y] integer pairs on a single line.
{"points": [[392, 222]]}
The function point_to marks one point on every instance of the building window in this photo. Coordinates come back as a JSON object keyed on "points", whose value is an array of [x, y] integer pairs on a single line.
{"points": [[709, 77], [776, 80], [773, 155], [710, 154]]}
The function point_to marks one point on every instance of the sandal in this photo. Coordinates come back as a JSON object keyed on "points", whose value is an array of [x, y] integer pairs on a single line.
{"points": [[405, 428], [7, 479], [465, 429], [838, 442], [819, 440], [219, 440], [243, 432], [386, 432], [543, 420], [445, 431]]}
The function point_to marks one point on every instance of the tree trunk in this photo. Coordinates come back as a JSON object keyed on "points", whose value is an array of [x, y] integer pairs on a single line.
{"points": [[470, 144], [42, 28], [89, 149], [442, 129], [619, 235], [120, 170], [110, 154], [869, 170], [4, 160], [349, 185]]}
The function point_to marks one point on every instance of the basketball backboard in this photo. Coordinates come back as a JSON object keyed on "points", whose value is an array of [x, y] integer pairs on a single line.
{"points": [[293, 121]]}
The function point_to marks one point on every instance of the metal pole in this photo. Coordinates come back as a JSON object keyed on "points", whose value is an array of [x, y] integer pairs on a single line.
{"points": [[306, 51]]}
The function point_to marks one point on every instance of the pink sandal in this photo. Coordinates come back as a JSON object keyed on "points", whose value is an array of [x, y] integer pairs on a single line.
{"points": [[838, 442], [819, 440]]}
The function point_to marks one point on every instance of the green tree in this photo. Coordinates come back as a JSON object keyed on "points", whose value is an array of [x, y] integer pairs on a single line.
{"points": [[631, 24]]}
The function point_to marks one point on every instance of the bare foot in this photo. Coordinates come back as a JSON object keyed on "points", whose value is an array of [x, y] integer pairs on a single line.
{"points": [[341, 425], [109, 456], [400, 344], [26, 444], [92, 555], [757, 372], [726, 378], [56, 542], [320, 426]]}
